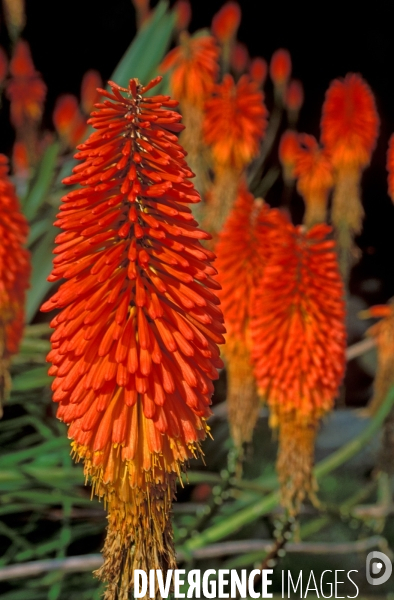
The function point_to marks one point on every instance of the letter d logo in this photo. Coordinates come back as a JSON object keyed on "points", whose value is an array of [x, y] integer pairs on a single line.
{"points": [[375, 562]]}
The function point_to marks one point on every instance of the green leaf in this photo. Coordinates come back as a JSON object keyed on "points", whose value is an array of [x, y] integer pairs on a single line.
{"points": [[41, 267], [34, 378], [42, 182]]}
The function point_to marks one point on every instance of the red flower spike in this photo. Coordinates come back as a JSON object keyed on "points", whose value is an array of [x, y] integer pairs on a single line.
{"points": [[349, 128], [183, 11], [241, 255], [289, 147], [314, 173], [235, 122], [350, 123], [390, 168], [226, 22], [299, 339], [68, 120], [134, 348], [294, 97], [89, 94], [20, 159], [194, 67], [25, 90], [14, 275], [258, 70], [280, 67], [239, 58]]}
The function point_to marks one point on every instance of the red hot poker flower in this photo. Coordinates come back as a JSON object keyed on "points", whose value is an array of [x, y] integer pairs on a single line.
{"points": [[135, 344], [194, 67], [241, 255], [349, 128], [314, 173], [89, 95], [280, 67], [258, 70], [234, 124], [298, 334], [226, 22], [14, 275], [25, 90]]}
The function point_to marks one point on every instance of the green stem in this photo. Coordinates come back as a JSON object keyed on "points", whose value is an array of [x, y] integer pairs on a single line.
{"points": [[265, 505]]}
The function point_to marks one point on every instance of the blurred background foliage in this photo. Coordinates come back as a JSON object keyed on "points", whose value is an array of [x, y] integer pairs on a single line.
{"points": [[46, 512]]}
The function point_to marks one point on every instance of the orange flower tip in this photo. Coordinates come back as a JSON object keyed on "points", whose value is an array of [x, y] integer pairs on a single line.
{"points": [[183, 11], [350, 122], [313, 169], [193, 67], [390, 167], [226, 22], [91, 81], [289, 146], [21, 64], [280, 67], [294, 97], [3, 65], [239, 57], [235, 121], [258, 70]]}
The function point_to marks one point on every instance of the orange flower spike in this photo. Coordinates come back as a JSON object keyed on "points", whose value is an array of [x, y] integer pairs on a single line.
{"points": [[89, 94], [349, 129], [235, 122], [183, 11], [25, 90], [3, 66], [294, 99], [135, 344], [14, 275], [239, 58], [241, 254], [20, 160], [390, 168], [314, 174], [299, 338], [258, 70], [68, 120], [226, 22], [289, 147], [194, 67], [350, 123], [280, 70]]}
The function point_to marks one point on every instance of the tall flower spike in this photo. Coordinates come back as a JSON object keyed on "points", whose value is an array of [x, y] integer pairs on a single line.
{"points": [[349, 128], [14, 275], [298, 335], [314, 174], [193, 67], [134, 349], [241, 255], [25, 90], [234, 124], [280, 71]]}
